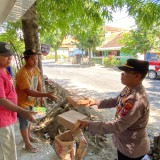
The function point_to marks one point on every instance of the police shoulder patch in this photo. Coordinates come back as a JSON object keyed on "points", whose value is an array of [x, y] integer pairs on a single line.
{"points": [[127, 107]]}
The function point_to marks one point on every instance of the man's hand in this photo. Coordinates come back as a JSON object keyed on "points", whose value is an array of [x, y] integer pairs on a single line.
{"points": [[28, 115], [91, 102], [41, 101], [83, 124], [50, 95]]}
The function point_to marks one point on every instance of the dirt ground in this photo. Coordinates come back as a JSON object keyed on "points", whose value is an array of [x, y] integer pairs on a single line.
{"points": [[100, 147]]}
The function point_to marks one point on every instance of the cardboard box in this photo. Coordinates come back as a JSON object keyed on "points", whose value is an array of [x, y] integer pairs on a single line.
{"points": [[77, 101], [69, 119]]}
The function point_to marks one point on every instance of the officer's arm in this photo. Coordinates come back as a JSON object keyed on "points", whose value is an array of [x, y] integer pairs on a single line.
{"points": [[107, 103], [119, 124]]}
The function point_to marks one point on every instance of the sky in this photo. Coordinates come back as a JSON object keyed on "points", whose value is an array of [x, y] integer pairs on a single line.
{"points": [[122, 20]]}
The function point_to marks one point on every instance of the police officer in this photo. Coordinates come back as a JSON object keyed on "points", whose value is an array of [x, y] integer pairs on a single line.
{"points": [[132, 113]]}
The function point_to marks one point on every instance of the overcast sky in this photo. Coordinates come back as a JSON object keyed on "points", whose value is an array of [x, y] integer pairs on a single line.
{"points": [[122, 20]]}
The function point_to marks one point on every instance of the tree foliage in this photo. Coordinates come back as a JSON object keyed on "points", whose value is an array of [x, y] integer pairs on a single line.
{"points": [[139, 40], [145, 12], [53, 38], [62, 17], [87, 37], [66, 14], [73, 16], [11, 33], [78, 18]]}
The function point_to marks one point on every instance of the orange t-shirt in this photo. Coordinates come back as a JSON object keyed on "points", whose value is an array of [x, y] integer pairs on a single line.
{"points": [[27, 79]]}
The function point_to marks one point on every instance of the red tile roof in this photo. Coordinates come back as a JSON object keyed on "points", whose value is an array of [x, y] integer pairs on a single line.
{"points": [[68, 42], [113, 37], [113, 41], [114, 29]]}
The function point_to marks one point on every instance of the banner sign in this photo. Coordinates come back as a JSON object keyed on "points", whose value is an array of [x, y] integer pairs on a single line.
{"points": [[151, 56], [45, 48]]}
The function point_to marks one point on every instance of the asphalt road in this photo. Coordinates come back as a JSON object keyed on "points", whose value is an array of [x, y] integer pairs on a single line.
{"points": [[95, 78], [100, 82]]}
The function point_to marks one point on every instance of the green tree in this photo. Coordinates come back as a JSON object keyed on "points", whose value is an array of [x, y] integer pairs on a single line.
{"points": [[81, 19], [66, 15], [145, 12], [47, 16], [139, 40], [54, 38], [89, 38], [10, 32]]}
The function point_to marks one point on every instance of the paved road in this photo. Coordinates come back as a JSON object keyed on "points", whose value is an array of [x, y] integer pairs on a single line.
{"points": [[100, 82]]}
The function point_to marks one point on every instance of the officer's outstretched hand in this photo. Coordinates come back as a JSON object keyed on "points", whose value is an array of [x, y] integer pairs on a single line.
{"points": [[28, 115], [91, 102], [83, 124]]}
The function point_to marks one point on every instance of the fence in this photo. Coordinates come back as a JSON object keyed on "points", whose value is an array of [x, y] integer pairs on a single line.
{"points": [[100, 60]]}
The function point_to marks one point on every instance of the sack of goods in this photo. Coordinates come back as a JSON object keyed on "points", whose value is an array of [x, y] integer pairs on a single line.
{"points": [[71, 145]]}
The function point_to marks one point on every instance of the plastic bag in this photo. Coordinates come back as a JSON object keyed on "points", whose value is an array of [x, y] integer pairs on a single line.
{"points": [[41, 112]]}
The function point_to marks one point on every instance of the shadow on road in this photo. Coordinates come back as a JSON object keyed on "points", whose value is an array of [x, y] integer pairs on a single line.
{"points": [[66, 83], [54, 65], [153, 92]]}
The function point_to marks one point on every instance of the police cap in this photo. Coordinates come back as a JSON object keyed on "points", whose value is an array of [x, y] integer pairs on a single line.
{"points": [[139, 66]]}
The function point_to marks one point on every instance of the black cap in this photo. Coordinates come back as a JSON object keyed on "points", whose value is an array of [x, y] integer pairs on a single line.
{"points": [[30, 52], [5, 49], [140, 66]]}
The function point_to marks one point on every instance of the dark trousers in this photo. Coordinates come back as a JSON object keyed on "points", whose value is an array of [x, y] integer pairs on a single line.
{"points": [[123, 157]]}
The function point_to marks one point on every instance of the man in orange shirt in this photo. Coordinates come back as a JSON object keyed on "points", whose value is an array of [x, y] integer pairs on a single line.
{"points": [[29, 87]]}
